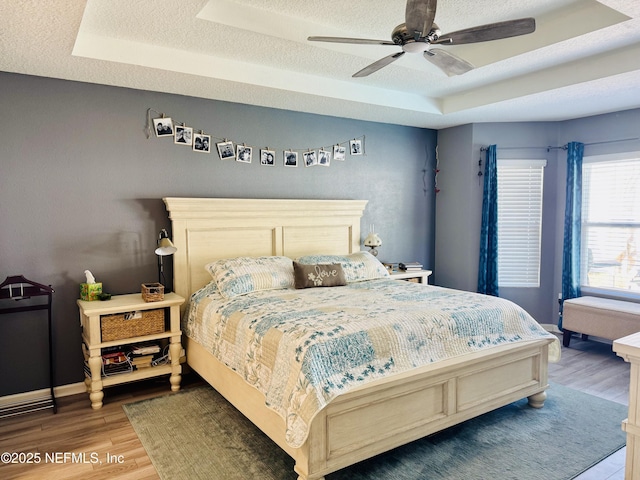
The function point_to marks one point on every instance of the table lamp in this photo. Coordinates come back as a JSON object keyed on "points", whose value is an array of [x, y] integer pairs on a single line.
{"points": [[373, 241], [164, 247]]}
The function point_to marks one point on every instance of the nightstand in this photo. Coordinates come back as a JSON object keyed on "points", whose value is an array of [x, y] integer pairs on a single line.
{"points": [[93, 313], [417, 276]]}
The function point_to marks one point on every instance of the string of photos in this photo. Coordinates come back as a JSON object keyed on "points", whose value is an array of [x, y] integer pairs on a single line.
{"points": [[201, 142]]}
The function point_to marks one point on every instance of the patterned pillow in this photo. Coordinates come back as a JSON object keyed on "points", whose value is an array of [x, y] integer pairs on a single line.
{"points": [[357, 266], [322, 275], [242, 275]]}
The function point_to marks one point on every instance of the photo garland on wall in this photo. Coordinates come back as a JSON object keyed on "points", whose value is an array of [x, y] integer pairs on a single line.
{"points": [[200, 142]]}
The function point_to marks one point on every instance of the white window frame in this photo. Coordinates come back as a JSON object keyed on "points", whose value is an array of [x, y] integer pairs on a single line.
{"points": [[592, 285], [520, 201]]}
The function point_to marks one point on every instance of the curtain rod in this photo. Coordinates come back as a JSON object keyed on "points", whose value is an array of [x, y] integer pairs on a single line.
{"points": [[563, 147]]}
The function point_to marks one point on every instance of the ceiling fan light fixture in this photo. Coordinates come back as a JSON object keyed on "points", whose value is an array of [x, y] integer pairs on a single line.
{"points": [[415, 47]]}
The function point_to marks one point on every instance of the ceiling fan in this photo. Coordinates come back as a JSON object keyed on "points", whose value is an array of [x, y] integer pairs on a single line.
{"points": [[419, 33]]}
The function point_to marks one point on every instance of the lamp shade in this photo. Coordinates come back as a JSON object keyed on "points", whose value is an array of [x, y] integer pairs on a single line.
{"points": [[372, 240], [165, 247]]}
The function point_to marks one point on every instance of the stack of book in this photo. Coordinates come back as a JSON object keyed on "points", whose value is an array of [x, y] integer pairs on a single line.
{"points": [[115, 362], [142, 356], [410, 266], [391, 267]]}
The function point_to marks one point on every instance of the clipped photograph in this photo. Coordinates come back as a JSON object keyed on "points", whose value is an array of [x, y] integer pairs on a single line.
{"points": [[339, 152], [183, 135], [355, 147], [290, 158], [267, 157], [324, 158], [226, 151], [201, 143], [310, 158], [163, 127], [243, 154]]}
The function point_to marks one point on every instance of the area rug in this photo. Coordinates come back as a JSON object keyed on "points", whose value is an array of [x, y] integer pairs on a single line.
{"points": [[197, 434]]}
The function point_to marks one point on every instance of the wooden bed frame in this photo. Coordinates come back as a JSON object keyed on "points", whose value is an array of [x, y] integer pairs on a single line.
{"points": [[370, 419]]}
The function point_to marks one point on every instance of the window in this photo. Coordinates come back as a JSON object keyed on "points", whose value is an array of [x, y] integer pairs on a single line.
{"points": [[519, 222], [611, 222]]}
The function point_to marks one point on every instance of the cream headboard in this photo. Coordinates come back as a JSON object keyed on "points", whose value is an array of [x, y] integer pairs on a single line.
{"points": [[208, 229]]}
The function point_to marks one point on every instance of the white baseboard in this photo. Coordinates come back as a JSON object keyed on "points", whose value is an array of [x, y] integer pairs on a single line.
{"points": [[550, 327], [26, 397]]}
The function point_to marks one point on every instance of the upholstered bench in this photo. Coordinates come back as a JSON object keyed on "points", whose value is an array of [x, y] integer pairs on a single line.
{"points": [[601, 317]]}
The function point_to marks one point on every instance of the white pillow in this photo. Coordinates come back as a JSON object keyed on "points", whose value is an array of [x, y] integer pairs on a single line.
{"points": [[242, 275], [356, 266]]}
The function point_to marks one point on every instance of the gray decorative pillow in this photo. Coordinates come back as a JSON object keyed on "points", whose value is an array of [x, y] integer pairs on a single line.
{"points": [[356, 266], [318, 275]]}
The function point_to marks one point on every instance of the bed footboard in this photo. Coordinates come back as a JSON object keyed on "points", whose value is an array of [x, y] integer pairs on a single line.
{"points": [[392, 412]]}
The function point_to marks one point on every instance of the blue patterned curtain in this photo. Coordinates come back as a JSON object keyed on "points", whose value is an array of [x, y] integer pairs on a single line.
{"points": [[488, 265], [572, 225]]}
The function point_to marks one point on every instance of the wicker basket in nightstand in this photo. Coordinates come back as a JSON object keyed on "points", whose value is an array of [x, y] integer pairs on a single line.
{"points": [[132, 324]]}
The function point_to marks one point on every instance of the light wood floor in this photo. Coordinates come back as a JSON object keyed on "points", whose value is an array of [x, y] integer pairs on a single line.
{"points": [[76, 428]]}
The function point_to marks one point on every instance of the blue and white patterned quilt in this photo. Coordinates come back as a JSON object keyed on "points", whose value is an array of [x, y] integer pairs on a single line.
{"points": [[301, 348]]}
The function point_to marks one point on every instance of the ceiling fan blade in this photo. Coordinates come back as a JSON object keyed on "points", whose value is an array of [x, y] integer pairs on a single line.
{"points": [[448, 62], [375, 66], [491, 31], [359, 41], [419, 16]]}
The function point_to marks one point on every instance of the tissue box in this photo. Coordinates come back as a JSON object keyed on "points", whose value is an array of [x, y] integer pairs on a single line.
{"points": [[90, 291]]}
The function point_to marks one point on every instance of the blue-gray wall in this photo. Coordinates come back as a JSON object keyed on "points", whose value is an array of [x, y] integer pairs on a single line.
{"points": [[459, 203], [81, 188]]}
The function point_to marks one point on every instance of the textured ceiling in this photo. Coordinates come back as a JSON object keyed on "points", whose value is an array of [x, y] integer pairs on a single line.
{"points": [[583, 59]]}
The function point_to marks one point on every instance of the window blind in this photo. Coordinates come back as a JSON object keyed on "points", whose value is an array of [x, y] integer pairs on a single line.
{"points": [[520, 185], [611, 222]]}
